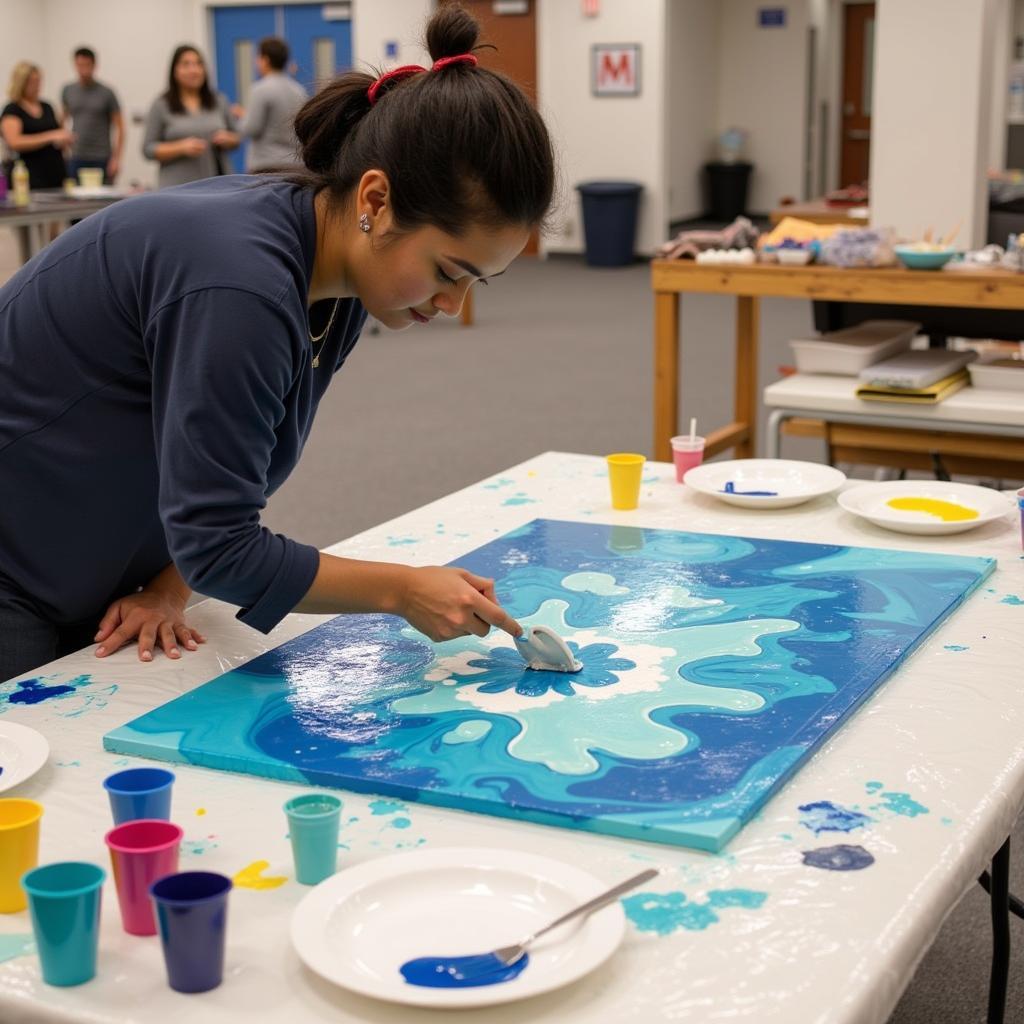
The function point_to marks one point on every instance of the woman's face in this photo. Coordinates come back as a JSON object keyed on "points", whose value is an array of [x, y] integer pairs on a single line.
{"points": [[189, 71], [33, 86], [409, 278]]}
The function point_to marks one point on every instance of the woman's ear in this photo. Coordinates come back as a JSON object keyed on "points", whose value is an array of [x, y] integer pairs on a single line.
{"points": [[372, 193]]}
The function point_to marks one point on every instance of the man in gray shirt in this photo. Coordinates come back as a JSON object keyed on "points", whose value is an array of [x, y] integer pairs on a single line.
{"points": [[93, 111], [274, 101]]}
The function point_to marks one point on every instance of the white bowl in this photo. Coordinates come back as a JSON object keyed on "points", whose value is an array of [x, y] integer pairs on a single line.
{"points": [[872, 502], [764, 483]]}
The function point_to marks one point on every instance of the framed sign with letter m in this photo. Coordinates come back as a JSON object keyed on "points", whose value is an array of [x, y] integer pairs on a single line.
{"points": [[615, 69]]}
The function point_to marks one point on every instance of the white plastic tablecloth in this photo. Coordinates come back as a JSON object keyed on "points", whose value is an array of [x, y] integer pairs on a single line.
{"points": [[947, 730]]}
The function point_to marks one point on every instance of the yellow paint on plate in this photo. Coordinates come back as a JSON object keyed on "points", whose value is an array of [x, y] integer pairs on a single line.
{"points": [[947, 511], [200, 811], [249, 877]]}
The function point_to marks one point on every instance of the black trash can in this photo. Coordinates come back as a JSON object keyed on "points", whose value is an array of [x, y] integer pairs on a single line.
{"points": [[609, 221], [727, 189]]}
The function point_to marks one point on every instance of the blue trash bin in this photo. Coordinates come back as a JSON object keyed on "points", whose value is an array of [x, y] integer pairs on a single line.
{"points": [[609, 221]]}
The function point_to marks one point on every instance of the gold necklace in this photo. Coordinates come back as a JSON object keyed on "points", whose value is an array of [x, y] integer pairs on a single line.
{"points": [[322, 336]]}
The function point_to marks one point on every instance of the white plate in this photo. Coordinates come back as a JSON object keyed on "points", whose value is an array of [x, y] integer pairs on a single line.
{"points": [[23, 751], [871, 502], [792, 482], [358, 927]]}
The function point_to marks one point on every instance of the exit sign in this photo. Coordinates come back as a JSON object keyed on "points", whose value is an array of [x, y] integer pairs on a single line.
{"points": [[771, 17]]}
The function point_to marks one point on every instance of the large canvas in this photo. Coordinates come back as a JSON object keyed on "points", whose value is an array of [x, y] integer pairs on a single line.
{"points": [[713, 667]]}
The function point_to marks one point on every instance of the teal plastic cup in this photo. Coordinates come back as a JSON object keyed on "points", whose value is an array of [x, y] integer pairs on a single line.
{"points": [[313, 821], [64, 904]]}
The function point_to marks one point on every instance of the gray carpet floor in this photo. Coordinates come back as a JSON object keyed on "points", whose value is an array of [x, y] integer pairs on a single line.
{"points": [[561, 359]]}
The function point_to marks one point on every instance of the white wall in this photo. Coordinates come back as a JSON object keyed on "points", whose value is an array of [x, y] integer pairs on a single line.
{"points": [[691, 83], [762, 88], [619, 137], [929, 145], [21, 38], [135, 38]]}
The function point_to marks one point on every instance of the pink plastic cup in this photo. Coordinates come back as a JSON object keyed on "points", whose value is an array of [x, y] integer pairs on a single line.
{"points": [[687, 452], [141, 852]]}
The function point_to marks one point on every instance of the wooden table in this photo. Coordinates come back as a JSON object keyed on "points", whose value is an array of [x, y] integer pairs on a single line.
{"points": [[983, 289], [817, 211]]}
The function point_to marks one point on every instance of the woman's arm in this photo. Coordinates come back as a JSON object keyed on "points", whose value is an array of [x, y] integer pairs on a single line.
{"points": [[440, 602], [155, 148], [12, 130]]}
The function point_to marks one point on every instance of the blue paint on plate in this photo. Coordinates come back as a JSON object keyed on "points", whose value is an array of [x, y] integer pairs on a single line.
{"points": [[461, 971]]}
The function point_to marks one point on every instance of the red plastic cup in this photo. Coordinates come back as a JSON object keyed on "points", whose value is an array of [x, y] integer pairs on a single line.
{"points": [[687, 452], [141, 853]]}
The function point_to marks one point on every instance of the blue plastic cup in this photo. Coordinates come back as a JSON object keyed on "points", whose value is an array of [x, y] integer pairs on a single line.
{"points": [[192, 915], [313, 821], [140, 793], [64, 904]]}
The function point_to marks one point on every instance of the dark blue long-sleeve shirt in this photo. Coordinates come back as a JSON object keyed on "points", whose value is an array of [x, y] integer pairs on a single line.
{"points": [[156, 387]]}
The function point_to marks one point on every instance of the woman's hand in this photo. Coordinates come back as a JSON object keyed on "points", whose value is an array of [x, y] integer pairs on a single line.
{"points": [[192, 146], [223, 139], [62, 138], [444, 603], [156, 615]]}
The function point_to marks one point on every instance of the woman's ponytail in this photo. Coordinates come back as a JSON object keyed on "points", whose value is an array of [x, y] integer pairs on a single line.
{"points": [[325, 121]]}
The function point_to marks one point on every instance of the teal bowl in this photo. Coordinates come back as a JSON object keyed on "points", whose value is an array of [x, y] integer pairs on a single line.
{"points": [[914, 259]]}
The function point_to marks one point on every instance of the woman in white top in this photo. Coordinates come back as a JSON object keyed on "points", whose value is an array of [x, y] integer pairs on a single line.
{"points": [[189, 128]]}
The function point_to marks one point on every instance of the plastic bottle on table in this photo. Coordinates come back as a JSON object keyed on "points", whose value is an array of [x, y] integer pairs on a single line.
{"points": [[19, 184]]}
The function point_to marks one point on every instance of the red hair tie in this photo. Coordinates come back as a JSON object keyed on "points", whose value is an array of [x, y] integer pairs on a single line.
{"points": [[406, 70]]}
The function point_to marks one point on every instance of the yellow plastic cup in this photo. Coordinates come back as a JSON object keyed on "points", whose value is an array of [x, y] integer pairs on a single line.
{"points": [[19, 850], [624, 472]]}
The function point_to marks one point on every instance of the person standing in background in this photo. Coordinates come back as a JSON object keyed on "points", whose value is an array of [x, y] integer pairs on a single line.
{"points": [[30, 128], [94, 113], [189, 127], [269, 120]]}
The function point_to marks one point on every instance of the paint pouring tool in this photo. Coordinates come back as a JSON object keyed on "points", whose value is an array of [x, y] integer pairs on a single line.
{"points": [[505, 963], [545, 651]]}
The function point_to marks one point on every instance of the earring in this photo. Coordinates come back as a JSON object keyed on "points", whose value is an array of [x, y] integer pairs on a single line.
{"points": [[364, 222]]}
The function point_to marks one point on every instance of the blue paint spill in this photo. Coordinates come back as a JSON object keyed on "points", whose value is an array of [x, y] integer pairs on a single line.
{"points": [[785, 835], [461, 971], [32, 691], [395, 542], [956, 647], [874, 787], [900, 803], [825, 816], [386, 807], [401, 823], [520, 499], [1012, 599], [499, 483], [839, 858], [15, 945], [665, 913], [947, 821]]}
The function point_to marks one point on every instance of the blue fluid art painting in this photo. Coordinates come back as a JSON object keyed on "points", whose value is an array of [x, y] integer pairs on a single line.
{"points": [[713, 667]]}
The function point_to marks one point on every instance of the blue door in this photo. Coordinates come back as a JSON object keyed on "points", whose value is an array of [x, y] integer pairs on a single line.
{"points": [[320, 48]]}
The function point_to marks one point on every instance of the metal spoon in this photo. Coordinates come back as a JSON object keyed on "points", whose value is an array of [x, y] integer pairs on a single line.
{"points": [[510, 954]]}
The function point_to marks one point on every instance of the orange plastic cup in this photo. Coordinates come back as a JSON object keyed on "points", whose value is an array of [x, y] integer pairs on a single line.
{"points": [[19, 849]]}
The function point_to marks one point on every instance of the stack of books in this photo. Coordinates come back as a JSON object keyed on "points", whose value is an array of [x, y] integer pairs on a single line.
{"points": [[918, 377]]}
